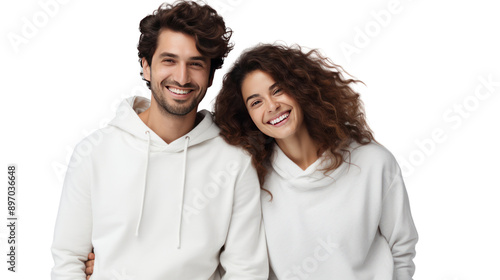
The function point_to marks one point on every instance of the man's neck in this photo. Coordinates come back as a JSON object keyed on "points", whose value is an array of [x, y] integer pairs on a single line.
{"points": [[168, 127]]}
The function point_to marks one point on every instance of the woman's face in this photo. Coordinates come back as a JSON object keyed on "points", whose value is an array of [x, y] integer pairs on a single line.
{"points": [[274, 112]]}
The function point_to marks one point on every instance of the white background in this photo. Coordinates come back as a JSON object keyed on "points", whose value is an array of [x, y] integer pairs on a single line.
{"points": [[66, 67]]}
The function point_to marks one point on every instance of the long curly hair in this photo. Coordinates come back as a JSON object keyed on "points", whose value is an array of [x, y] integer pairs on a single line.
{"points": [[333, 111], [200, 21]]}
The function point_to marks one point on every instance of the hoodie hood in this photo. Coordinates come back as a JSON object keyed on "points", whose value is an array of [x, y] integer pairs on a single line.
{"points": [[312, 177], [128, 121]]}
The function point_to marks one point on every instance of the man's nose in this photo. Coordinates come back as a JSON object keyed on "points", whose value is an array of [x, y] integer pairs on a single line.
{"points": [[181, 74]]}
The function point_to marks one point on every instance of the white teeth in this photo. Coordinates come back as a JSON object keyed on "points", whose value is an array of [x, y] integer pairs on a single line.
{"points": [[179, 91], [279, 119]]}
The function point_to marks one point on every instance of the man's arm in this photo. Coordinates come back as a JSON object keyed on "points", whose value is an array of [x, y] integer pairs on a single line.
{"points": [[245, 252], [73, 231]]}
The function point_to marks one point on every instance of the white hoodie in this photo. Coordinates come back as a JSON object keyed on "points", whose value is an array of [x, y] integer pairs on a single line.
{"points": [[155, 211], [354, 224]]}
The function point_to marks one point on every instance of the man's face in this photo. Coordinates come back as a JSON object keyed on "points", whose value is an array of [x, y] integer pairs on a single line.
{"points": [[179, 74]]}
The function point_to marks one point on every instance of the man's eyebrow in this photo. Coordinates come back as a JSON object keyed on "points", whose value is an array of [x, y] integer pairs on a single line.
{"points": [[167, 54], [202, 58]]}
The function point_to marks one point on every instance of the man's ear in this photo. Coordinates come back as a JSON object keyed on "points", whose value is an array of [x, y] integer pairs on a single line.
{"points": [[146, 70]]}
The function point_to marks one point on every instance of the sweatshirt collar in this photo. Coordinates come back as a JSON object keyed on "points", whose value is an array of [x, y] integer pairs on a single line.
{"points": [[313, 177]]}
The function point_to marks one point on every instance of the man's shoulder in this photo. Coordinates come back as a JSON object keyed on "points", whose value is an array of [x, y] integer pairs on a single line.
{"points": [[99, 138], [223, 147]]}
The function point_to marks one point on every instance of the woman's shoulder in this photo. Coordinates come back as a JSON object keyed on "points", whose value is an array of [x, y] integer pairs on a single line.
{"points": [[373, 159], [372, 153]]}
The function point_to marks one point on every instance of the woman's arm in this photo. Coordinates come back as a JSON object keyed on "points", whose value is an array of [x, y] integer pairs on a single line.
{"points": [[89, 265], [396, 225]]}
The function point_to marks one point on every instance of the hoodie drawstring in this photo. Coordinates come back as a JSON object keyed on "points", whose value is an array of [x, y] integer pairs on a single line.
{"points": [[144, 186], [186, 144], [182, 191]]}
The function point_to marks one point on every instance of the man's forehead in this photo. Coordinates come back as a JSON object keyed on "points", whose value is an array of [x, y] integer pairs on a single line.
{"points": [[178, 45]]}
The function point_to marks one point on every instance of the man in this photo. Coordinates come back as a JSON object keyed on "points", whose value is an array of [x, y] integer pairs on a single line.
{"points": [[161, 195]]}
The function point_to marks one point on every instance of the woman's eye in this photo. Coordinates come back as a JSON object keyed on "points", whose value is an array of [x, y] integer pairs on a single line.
{"points": [[254, 103], [277, 91]]}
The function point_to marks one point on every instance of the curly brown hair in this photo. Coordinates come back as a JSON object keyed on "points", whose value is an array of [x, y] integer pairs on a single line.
{"points": [[333, 111], [200, 21]]}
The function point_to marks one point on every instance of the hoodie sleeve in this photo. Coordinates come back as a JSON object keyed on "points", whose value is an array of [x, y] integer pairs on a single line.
{"points": [[73, 231], [245, 252], [397, 226]]}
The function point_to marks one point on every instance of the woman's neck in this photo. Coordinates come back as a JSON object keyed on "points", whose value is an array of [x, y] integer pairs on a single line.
{"points": [[300, 148]]}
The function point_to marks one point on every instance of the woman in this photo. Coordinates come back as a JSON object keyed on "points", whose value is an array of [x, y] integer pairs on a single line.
{"points": [[334, 202]]}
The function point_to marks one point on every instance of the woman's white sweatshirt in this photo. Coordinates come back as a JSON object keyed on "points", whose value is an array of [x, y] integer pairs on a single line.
{"points": [[354, 224], [156, 211]]}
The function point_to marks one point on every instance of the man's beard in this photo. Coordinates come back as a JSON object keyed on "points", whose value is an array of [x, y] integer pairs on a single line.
{"points": [[181, 108]]}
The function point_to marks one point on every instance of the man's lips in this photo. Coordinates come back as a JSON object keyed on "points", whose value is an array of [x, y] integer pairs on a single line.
{"points": [[279, 118], [178, 91]]}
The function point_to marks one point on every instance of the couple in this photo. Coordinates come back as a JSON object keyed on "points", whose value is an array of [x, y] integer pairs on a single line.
{"points": [[163, 196]]}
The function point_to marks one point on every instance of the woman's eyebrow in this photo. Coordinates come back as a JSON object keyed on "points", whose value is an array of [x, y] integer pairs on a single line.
{"points": [[252, 96]]}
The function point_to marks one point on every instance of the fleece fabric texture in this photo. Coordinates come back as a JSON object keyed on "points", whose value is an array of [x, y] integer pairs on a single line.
{"points": [[153, 210], [352, 224]]}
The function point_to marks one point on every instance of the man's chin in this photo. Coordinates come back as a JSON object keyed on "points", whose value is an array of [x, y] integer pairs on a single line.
{"points": [[179, 110]]}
